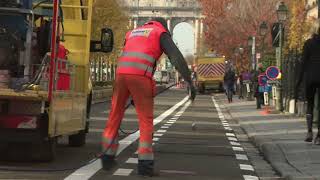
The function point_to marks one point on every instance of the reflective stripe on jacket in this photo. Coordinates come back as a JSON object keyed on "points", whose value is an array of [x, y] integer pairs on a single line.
{"points": [[142, 50]]}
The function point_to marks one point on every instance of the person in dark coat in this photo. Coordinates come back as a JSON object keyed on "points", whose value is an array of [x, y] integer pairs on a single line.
{"points": [[258, 95], [310, 64], [229, 80]]}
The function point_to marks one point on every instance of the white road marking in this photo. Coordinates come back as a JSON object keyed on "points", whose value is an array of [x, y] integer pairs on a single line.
{"points": [[164, 127], [158, 135], [162, 131], [232, 139], [167, 124], [235, 143], [246, 167], [132, 161], [248, 177], [230, 134], [88, 171], [170, 122], [155, 139], [237, 148], [242, 157], [123, 172]]}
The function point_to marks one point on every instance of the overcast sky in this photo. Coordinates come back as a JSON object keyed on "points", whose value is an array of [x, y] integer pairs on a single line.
{"points": [[183, 34]]}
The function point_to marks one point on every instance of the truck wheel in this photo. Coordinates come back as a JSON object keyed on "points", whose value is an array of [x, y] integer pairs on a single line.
{"points": [[78, 140], [46, 151]]}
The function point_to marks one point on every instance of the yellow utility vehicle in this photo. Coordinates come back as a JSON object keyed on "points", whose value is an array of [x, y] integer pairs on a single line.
{"points": [[44, 73], [210, 72]]}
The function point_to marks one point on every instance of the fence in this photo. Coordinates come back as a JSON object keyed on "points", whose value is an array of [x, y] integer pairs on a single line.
{"points": [[290, 73]]}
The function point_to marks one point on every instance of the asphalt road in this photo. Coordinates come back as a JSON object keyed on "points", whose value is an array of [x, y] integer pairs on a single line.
{"points": [[181, 152]]}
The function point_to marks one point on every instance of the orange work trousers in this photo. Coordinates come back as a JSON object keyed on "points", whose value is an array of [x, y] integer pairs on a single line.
{"points": [[141, 89]]}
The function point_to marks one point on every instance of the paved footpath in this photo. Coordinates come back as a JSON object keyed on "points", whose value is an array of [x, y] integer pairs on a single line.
{"points": [[280, 138]]}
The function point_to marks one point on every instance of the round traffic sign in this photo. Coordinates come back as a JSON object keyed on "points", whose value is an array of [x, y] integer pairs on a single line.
{"points": [[272, 72], [262, 80]]}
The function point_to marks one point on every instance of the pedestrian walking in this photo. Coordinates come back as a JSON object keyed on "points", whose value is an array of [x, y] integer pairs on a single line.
{"points": [[229, 82], [143, 47], [240, 85], [257, 94], [310, 64]]}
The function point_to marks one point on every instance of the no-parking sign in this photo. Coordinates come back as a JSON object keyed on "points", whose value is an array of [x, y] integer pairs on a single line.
{"points": [[272, 72]]}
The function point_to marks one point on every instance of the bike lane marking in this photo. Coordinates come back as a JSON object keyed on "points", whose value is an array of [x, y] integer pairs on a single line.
{"points": [[88, 171]]}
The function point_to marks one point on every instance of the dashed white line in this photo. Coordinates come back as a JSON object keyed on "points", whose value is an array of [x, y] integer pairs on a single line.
{"points": [[88, 171], [162, 131], [170, 122], [237, 148], [123, 172], [164, 127], [246, 167], [235, 143], [230, 134], [167, 124], [158, 135], [242, 157], [155, 139], [132, 161], [248, 177], [232, 139]]}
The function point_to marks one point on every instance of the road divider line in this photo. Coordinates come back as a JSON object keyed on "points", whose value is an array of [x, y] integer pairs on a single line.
{"points": [[132, 161], [230, 134], [235, 143], [232, 139], [88, 171], [241, 157], [123, 172], [236, 146], [246, 167], [248, 177]]}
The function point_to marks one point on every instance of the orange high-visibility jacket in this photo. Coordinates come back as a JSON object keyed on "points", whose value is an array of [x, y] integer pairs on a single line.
{"points": [[141, 50]]}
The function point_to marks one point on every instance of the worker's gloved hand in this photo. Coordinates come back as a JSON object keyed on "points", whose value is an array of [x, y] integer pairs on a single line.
{"points": [[192, 92]]}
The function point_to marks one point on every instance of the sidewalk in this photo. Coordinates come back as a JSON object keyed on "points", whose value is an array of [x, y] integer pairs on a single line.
{"points": [[280, 138]]}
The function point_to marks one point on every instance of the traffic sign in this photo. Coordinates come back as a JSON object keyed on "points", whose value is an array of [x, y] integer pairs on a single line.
{"points": [[272, 72], [263, 80]]}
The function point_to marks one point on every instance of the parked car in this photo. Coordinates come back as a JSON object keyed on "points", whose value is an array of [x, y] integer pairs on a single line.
{"points": [[161, 77]]}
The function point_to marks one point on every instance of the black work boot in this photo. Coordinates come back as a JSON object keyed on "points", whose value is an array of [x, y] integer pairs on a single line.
{"points": [[108, 162], [309, 136], [146, 168]]}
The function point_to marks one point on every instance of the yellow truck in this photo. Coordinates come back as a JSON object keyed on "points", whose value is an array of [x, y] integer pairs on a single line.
{"points": [[210, 72], [44, 73]]}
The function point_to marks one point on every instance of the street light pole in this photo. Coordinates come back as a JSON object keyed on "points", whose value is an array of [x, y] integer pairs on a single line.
{"points": [[279, 91], [282, 13]]}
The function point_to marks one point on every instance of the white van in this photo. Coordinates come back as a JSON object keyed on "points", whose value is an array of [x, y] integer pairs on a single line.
{"points": [[161, 77]]}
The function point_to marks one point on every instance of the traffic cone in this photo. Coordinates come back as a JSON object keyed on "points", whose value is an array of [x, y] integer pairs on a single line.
{"points": [[266, 110]]}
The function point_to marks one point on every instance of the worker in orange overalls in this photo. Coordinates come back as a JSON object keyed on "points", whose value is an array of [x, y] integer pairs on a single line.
{"points": [[143, 47]]}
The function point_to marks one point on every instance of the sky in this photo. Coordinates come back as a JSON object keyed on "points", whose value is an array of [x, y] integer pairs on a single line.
{"points": [[183, 35]]}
